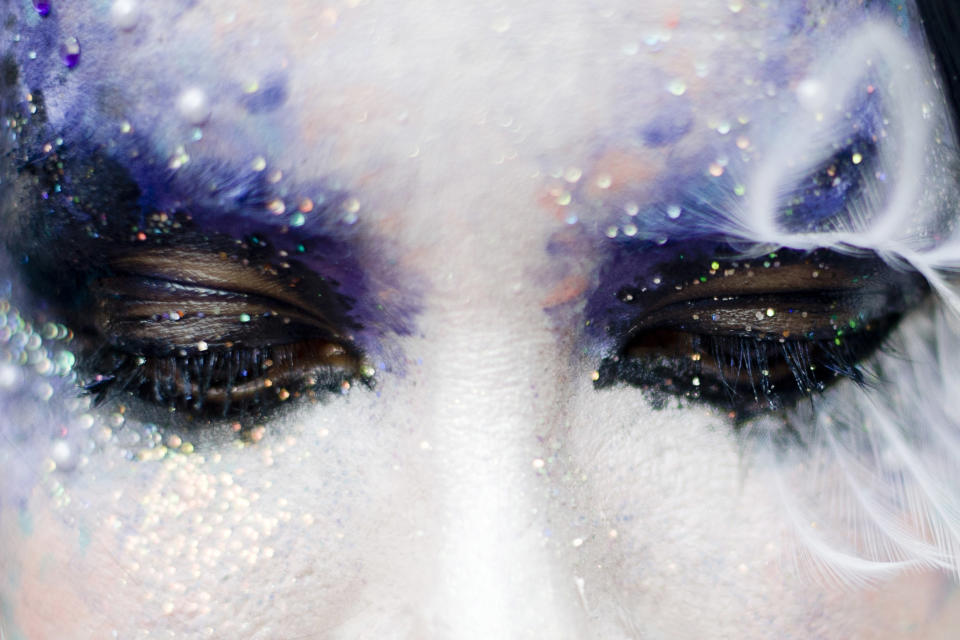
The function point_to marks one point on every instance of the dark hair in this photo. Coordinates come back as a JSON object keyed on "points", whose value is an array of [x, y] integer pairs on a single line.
{"points": [[941, 22]]}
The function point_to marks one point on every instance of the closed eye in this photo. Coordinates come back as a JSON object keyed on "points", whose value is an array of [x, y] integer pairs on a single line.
{"points": [[213, 331], [755, 335]]}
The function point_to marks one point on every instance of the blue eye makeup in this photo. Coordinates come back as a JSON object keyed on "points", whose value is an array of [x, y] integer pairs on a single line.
{"points": [[820, 202]]}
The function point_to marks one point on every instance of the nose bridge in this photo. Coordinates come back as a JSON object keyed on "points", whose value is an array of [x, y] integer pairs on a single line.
{"points": [[490, 368], [497, 576]]}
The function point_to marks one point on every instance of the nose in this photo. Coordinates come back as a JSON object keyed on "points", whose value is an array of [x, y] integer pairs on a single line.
{"points": [[498, 572], [489, 391]]}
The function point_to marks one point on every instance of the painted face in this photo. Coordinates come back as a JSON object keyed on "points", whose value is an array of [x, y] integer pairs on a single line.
{"points": [[432, 320]]}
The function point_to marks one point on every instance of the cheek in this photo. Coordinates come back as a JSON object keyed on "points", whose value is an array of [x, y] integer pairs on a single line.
{"points": [[300, 519], [672, 522]]}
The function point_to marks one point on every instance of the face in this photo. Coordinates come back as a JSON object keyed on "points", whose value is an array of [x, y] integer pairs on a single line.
{"points": [[393, 321]]}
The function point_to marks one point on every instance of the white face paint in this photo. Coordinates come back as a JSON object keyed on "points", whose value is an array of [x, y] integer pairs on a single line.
{"points": [[485, 488]]}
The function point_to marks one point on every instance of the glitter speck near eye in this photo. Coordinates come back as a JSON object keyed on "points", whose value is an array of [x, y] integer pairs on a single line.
{"points": [[716, 170], [677, 87], [351, 208], [771, 313], [857, 158], [673, 211], [124, 14], [259, 164], [70, 52], [306, 205], [604, 181], [193, 106], [736, 6], [244, 317], [126, 127], [276, 207], [63, 456], [180, 158], [612, 232], [298, 220], [714, 265]]}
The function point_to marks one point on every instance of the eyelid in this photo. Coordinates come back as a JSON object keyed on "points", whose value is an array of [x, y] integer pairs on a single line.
{"points": [[813, 274], [759, 314], [134, 307], [206, 269]]}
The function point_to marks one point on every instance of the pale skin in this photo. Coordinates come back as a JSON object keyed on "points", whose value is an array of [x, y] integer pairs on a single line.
{"points": [[485, 489]]}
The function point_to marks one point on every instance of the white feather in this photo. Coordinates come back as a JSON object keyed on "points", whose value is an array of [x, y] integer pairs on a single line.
{"points": [[876, 488]]}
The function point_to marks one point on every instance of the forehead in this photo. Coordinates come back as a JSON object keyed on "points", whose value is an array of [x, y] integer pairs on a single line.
{"points": [[360, 87]]}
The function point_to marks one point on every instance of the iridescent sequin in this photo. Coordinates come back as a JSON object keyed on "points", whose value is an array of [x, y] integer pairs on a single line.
{"points": [[70, 52], [42, 7]]}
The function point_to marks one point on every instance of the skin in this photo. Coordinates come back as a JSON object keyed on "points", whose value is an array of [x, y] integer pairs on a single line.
{"points": [[485, 489]]}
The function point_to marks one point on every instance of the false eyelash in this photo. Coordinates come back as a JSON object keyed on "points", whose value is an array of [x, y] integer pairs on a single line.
{"points": [[747, 374], [225, 382]]}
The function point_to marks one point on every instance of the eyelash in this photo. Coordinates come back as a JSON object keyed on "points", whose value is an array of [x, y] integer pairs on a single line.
{"points": [[713, 369], [227, 381], [755, 340]]}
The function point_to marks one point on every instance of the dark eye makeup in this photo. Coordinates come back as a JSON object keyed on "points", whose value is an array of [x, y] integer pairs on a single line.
{"points": [[212, 335], [187, 292], [209, 328], [760, 334], [215, 327]]}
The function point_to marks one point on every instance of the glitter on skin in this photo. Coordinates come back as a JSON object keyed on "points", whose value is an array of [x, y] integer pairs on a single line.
{"points": [[192, 104], [190, 527], [125, 14], [70, 52]]}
